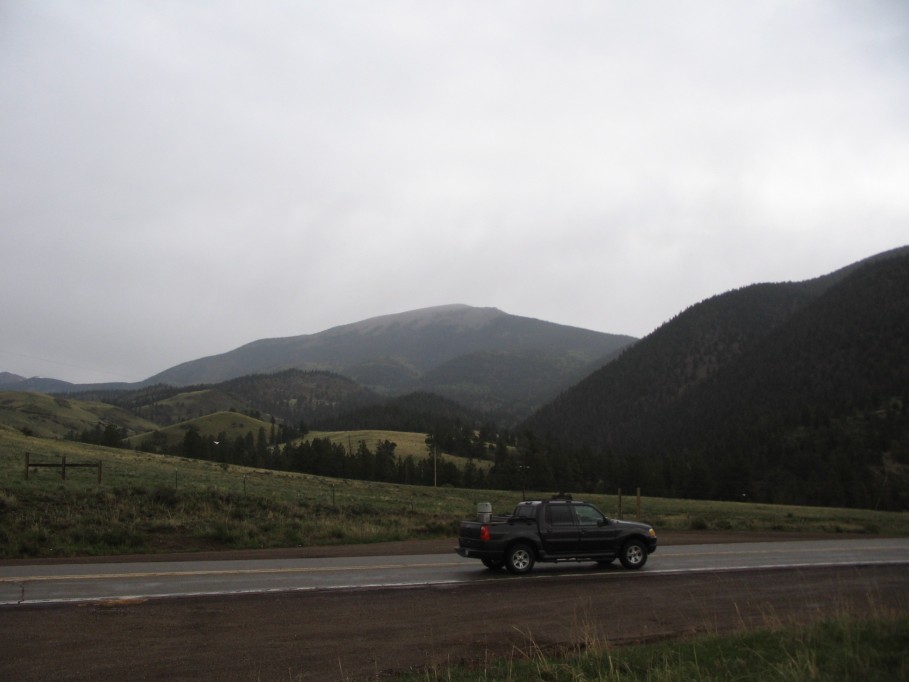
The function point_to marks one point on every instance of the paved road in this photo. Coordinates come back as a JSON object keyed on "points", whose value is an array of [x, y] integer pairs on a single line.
{"points": [[63, 583]]}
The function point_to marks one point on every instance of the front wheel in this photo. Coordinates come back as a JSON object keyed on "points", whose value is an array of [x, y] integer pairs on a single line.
{"points": [[634, 554], [519, 559]]}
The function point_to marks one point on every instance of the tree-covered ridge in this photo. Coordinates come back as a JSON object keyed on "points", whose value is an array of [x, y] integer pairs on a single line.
{"points": [[626, 396], [776, 392]]}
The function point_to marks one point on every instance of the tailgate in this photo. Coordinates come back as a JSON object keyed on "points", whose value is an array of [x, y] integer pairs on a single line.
{"points": [[469, 532]]}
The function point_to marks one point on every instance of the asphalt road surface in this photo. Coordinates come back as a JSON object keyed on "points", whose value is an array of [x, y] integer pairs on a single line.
{"points": [[29, 584], [356, 618]]}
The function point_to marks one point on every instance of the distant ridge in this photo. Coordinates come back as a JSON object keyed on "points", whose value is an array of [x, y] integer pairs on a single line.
{"points": [[9, 379], [458, 351]]}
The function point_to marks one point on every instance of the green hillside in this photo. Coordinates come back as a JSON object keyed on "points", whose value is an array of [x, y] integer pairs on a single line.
{"points": [[188, 405], [58, 417], [158, 503], [231, 438], [229, 424]]}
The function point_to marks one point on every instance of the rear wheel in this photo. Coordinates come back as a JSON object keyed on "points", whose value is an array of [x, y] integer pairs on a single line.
{"points": [[519, 558], [634, 554]]}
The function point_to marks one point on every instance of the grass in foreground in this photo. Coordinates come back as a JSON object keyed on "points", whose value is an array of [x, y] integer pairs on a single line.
{"points": [[842, 649], [154, 503]]}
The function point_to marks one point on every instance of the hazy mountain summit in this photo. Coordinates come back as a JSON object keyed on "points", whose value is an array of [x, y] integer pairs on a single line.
{"points": [[9, 379], [482, 357]]}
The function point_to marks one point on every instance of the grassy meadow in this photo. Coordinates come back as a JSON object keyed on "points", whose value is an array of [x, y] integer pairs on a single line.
{"points": [[407, 444], [154, 503]]}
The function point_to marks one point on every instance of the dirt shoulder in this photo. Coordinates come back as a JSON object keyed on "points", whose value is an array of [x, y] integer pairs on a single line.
{"points": [[375, 634]]}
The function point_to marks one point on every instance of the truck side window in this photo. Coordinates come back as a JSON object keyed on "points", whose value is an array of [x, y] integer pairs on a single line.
{"points": [[588, 516], [559, 515]]}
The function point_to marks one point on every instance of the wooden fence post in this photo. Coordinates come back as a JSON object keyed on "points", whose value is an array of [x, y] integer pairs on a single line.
{"points": [[63, 469], [26, 466]]}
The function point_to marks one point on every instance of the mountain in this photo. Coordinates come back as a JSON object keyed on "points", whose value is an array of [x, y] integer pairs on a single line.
{"points": [[481, 357], [782, 392], [14, 382], [9, 379]]}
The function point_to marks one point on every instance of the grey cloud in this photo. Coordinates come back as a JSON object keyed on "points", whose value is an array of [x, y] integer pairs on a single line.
{"points": [[179, 179]]}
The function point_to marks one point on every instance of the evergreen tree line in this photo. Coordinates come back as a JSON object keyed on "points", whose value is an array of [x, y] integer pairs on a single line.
{"points": [[108, 435], [819, 460]]}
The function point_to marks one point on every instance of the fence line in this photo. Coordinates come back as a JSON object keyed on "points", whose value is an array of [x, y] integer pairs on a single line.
{"points": [[62, 465]]}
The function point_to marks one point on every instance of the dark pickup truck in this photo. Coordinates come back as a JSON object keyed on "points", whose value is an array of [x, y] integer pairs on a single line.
{"points": [[554, 530]]}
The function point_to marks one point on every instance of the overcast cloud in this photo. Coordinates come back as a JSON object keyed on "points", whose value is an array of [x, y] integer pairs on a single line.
{"points": [[180, 178]]}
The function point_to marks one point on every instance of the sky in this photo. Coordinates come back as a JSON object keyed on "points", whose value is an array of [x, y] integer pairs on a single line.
{"points": [[179, 178]]}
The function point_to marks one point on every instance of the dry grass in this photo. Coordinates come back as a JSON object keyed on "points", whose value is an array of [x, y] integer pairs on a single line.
{"points": [[865, 643]]}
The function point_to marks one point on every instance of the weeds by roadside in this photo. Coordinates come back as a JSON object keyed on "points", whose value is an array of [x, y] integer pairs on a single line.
{"points": [[839, 649]]}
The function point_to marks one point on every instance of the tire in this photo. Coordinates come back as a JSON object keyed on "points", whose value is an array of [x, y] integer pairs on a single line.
{"points": [[633, 555], [492, 564], [519, 558]]}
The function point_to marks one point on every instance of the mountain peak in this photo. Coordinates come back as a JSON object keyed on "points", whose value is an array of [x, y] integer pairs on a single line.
{"points": [[8, 378], [455, 314]]}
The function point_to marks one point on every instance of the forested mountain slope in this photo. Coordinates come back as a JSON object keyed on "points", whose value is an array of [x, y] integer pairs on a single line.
{"points": [[789, 392]]}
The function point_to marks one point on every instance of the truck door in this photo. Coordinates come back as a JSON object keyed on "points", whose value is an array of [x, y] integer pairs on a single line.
{"points": [[597, 535], [559, 531]]}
